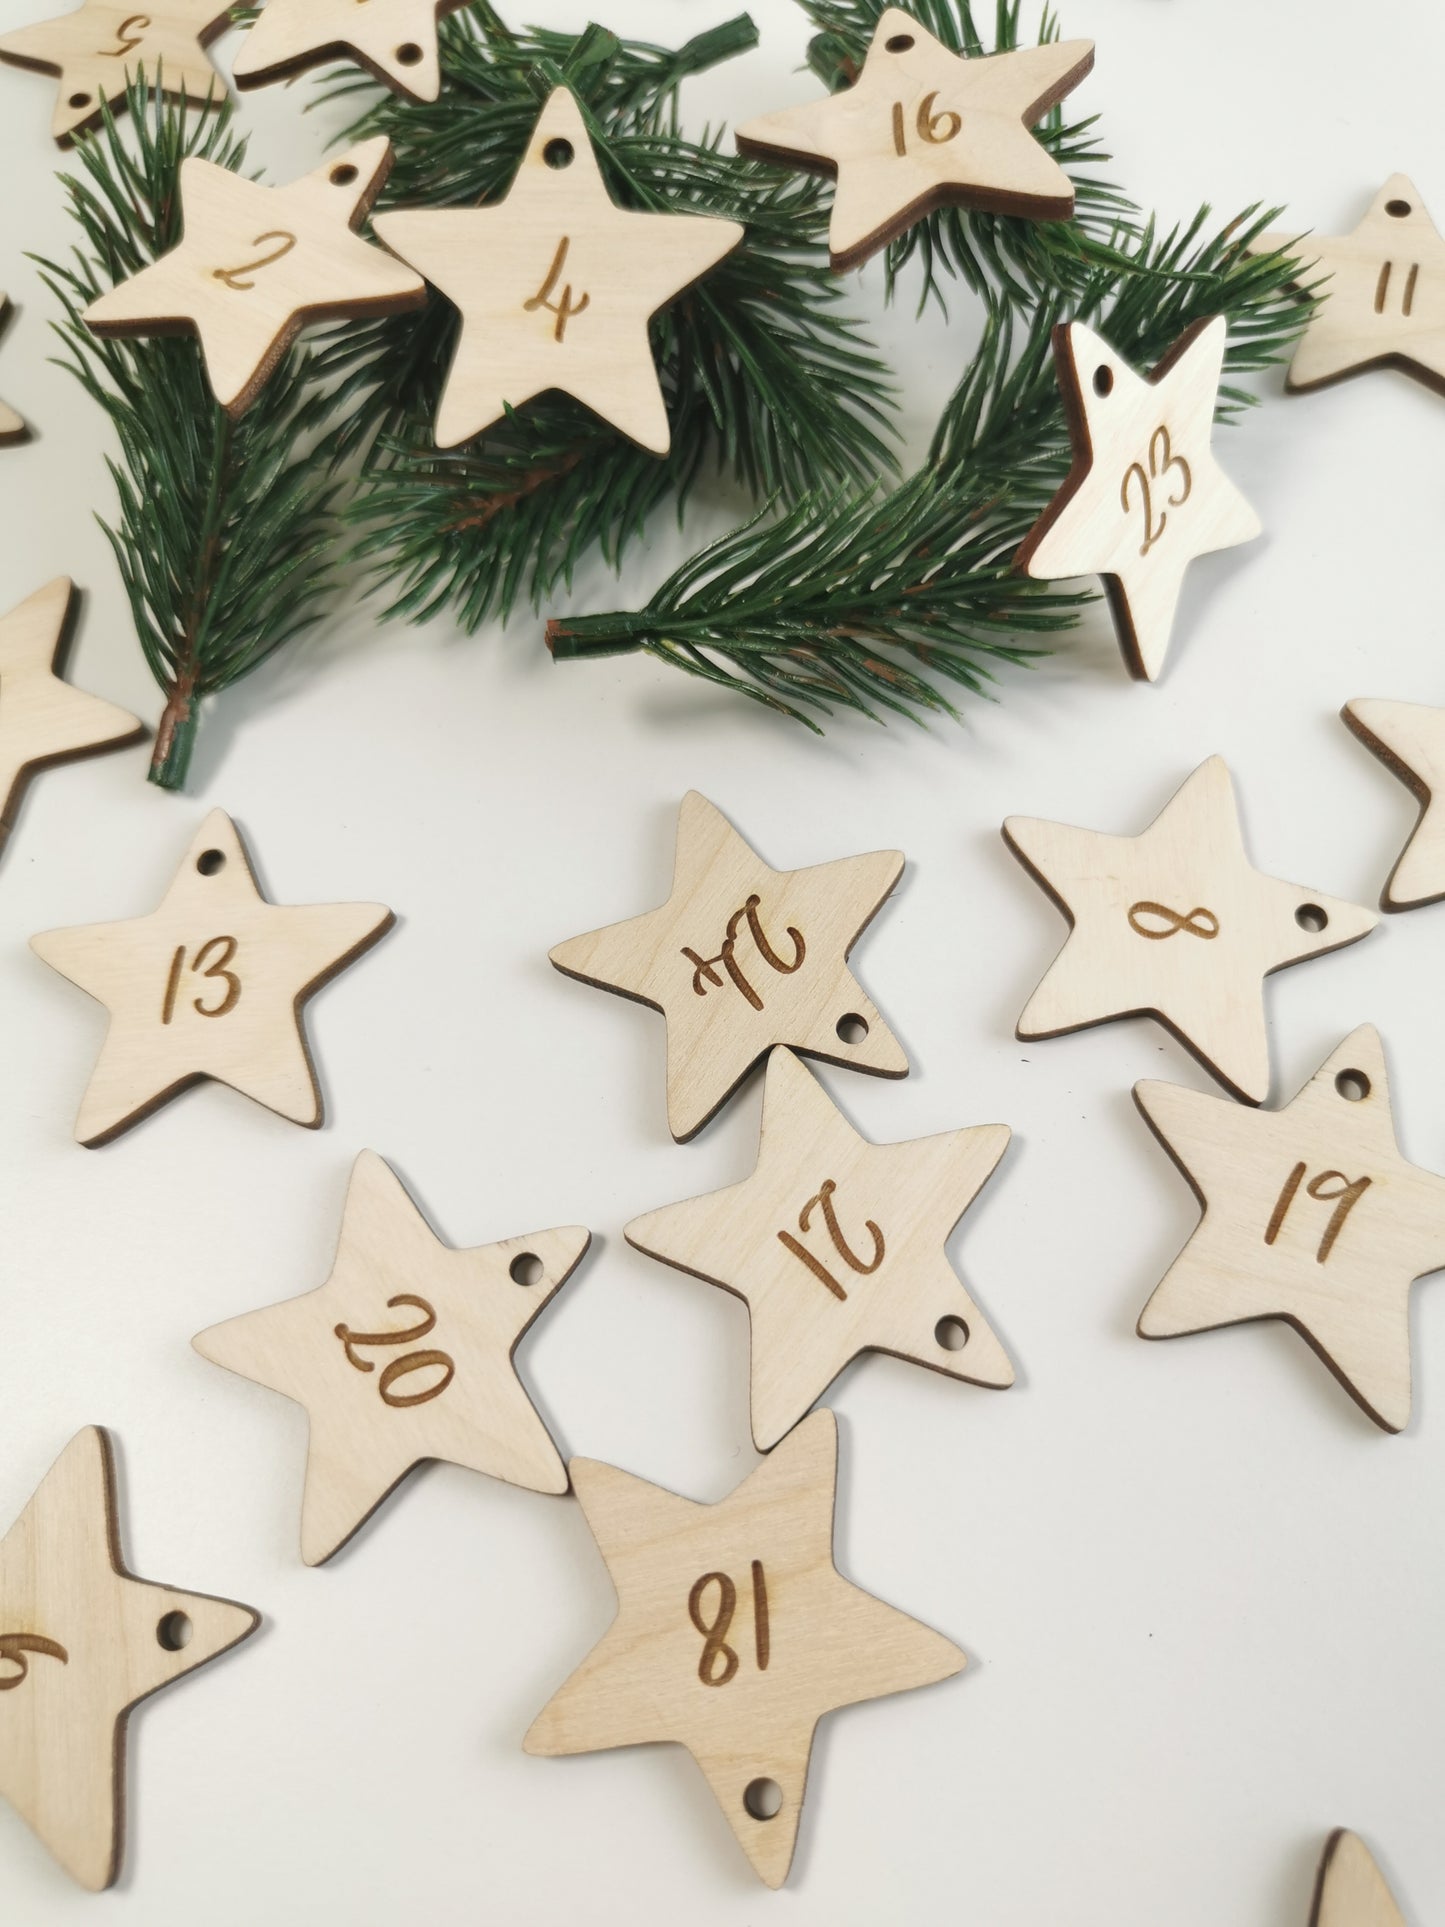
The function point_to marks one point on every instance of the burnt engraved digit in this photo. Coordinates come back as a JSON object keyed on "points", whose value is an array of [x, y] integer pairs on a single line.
{"points": [[762, 1630], [929, 123], [350, 1339], [231, 276], [835, 1231], [900, 138], [228, 948], [1283, 1202], [1162, 462], [1330, 1187], [16, 1647], [1145, 914], [705, 974], [415, 1362], [820, 1271], [168, 1003], [715, 1635], [129, 35], [566, 307]]}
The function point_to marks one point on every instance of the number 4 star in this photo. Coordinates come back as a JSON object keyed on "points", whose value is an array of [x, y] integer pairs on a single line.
{"points": [[210, 985], [1310, 1214], [734, 1635]]}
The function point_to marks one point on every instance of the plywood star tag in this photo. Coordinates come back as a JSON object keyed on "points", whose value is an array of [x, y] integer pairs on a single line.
{"points": [[210, 984], [100, 50], [1384, 299], [1409, 739], [43, 719], [259, 264], [734, 1635], [395, 39], [556, 285], [742, 957], [1145, 495], [405, 1354], [924, 128], [1176, 924], [1351, 1891], [837, 1247], [12, 428], [1310, 1215], [81, 1643]]}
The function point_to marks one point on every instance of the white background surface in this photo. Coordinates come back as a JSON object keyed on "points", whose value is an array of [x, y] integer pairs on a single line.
{"points": [[1202, 1595]]}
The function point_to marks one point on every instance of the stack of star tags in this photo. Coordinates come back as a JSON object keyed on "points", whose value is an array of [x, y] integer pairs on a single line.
{"points": [[734, 1630]]}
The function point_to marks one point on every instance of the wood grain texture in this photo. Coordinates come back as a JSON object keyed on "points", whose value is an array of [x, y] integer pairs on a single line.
{"points": [[1383, 293], [742, 957], [258, 264], [923, 128], [43, 719], [1145, 495], [556, 286], [836, 1246], [103, 47], [1310, 1214], [1351, 1891], [12, 426], [1178, 925], [405, 1354], [81, 1643], [210, 984], [1409, 739], [395, 40], [734, 1635]]}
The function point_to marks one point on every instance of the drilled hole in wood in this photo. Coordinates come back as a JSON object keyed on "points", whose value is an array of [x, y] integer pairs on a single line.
{"points": [[526, 1269], [1103, 381], [1398, 208], [173, 1631], [80, 100], [852, 1029], [951, 1333], [408, 53], [343, 175], [559, 153], [1311, 917], [899, 43], [211, 862], [763, 1799], [1353, 1085]]}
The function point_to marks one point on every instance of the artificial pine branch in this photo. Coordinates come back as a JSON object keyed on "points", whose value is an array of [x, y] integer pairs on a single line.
{"points": [[767, 378], [225, 529], [859, 604]]}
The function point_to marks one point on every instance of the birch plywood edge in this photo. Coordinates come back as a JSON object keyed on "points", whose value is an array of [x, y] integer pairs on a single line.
{"points": [[1145, 495], [81, 1643], [734, 1635], [836, 1246], [12, 427], [1351, 1890], [1310, 1214], [405, 1354], [924, 128], [1383, 293], [101, 49], [210, 984], [258, 264], [395, 40], [1178, 925], [43, 719], [742, 957], [1409, 740], [556, 285]]}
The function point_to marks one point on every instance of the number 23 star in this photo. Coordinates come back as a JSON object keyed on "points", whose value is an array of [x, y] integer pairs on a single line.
{"points": [[210, 985]]}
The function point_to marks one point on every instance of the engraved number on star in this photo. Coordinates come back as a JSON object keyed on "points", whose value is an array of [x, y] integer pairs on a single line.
{"points": [[402, 1367], [210, 960], [16, 1648], [1407, 294], [936, 129], [1157, 921], [715, 1630], [703, 967], [129, 35], [566, 307], [232, 276], [1330, 1187], [864, 1267], [1138, 486]]}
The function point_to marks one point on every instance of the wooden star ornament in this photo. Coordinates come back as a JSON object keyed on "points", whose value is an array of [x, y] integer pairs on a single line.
{"points": [[1383, 293], [1145, 495], [1176, 924], [81, 1643], [396, 40], [403, 1355], [44, 719], [210, 984], [924, 128], [836, 1245], [734, 1635], [742, 957], [12, 427], [1351, 1891], [1311, 1215], [101, 49], [1409, 739], [258, 264], [556, 286]]}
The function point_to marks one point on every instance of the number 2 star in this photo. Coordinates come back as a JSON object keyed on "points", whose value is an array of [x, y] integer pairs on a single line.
{"points": [[1310, 1214], [210, 985]]}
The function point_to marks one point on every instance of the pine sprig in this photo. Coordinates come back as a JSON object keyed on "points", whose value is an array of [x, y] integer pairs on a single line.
{"points": [[225, 530], [871, 605], [1017, 258]]}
